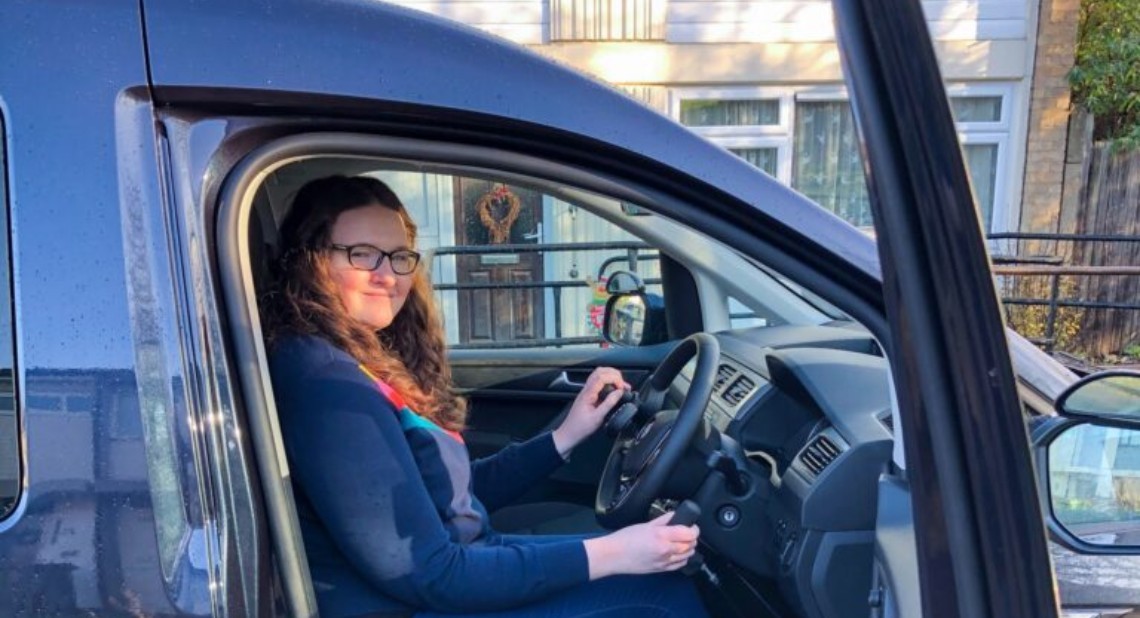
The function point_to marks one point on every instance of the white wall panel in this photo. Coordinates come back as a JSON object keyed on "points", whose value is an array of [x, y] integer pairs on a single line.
{"points": [[522, 21], [807, 21], [711, 21]]}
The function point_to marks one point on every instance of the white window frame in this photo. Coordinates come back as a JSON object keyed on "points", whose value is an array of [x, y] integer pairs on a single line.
{"points": [[1002, 91], [781, 144], [1004, 214], [782, 135], [778, 136], [1001, 216], [819, 93], [783, 127]]}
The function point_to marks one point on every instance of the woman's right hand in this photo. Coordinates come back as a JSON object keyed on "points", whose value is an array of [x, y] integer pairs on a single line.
{"points": [[652, 547]]}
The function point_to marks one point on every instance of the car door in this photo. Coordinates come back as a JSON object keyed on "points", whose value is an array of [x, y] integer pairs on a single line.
{"points": [[965, 471], [979, 544]]}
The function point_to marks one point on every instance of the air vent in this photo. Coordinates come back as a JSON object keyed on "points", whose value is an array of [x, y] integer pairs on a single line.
{"points": [[819, 454], [888, 421], [738, 391], [724, 373]]}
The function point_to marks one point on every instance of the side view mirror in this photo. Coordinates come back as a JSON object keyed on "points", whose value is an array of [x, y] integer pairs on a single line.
{"points": [[1094, 484], [1093, 465], [633, 317], [1112, 396]]}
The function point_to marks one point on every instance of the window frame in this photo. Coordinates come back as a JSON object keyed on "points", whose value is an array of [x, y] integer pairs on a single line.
{"points": [[1004, 213], [974, 90], [849, 284], [1002, 216], [782, 145], [9, 506], [735, 93]]}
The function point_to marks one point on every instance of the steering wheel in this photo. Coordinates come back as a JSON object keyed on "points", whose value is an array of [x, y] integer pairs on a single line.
{"points": [[645, 454]]}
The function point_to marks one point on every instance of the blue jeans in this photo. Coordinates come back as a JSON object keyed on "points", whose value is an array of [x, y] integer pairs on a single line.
{"points": [[661, 595]]}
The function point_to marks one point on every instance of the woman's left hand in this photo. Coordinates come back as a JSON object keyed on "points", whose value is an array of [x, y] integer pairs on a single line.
{"points": [[587, 413]]}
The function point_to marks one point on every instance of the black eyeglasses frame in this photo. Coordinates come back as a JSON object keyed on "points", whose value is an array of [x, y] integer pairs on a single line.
{"points": [[382, 253]]}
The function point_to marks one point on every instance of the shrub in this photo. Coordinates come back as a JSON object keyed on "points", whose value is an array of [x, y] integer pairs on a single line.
{"points": [[1031, 321], [1106, 75]]}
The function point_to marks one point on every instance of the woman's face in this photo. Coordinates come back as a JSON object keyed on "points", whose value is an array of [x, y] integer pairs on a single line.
{"points": [[372, 297]]}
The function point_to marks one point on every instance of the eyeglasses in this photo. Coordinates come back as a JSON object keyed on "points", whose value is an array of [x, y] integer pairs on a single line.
{"points": [[367, 257]]}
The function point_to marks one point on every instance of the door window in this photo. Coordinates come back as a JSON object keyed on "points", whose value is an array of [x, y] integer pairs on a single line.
{"points": [[513, 265], [527, 269], [9, 422]]}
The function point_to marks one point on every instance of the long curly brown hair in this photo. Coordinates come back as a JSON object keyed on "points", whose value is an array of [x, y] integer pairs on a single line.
{"points": [[410, 354]]}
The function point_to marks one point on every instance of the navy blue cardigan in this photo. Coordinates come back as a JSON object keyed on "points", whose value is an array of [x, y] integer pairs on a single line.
{"points": [[392, 511]]}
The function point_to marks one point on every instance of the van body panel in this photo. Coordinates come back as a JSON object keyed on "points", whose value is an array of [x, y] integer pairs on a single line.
{"points": [[122, 121], [83, 538]]}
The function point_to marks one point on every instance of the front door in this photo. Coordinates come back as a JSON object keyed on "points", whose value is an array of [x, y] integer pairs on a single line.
{"points": [[495, 305]]}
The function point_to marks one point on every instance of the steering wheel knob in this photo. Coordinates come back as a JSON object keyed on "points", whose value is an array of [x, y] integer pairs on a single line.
{"points": [[626, 396], [621, 418]]}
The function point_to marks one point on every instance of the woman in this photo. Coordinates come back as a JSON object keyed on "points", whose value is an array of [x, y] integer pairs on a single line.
{"points": [[393, 513]]}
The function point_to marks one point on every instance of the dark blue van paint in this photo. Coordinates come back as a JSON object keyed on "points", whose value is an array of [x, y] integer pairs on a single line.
{"points": [[138, 490]]}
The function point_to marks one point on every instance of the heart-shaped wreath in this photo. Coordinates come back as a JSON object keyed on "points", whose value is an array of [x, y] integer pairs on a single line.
{"points": [[498, 210]]}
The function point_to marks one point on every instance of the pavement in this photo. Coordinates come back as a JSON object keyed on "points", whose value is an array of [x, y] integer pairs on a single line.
{"points": [[1110, 582]]}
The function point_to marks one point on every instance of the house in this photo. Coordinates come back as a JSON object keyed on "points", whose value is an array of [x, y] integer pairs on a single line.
{"points": [[761, 78]]}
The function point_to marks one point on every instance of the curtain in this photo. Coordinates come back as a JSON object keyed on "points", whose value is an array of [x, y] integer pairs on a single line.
{"points": [[730, 113], [763, 158], [976, 109], [827, 167], [981, 163]]}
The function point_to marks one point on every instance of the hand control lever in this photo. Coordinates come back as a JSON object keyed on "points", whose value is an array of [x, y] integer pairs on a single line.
{"points": [[686, 514]]}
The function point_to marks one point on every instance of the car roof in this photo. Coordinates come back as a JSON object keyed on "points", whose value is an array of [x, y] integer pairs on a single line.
{"points": [[397, 58]]}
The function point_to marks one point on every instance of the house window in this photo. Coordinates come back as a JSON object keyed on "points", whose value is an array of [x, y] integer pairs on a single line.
{"points": [[805, 137], [826, 162], [730, 113], [763, 158], [976, 109], [751, 123], [982, 165], [981, 117], [1128, 452], [9, 421]]}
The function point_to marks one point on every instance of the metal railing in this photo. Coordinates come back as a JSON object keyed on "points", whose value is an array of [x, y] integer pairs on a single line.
{"points": [[1053, 266], [635, 252]]}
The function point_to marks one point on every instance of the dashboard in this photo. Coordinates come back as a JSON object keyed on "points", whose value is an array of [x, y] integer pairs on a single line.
{"points": [[815, 403]]}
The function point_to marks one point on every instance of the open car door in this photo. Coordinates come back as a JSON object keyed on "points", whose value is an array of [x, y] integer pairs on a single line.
{"points": [[966, 480]]}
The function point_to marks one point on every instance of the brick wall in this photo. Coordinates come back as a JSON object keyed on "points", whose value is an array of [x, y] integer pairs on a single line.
{"points": [[1044, 198]]}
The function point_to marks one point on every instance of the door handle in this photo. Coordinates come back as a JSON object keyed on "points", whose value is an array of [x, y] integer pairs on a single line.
{"points": [[565, 384], [536, 234]]}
